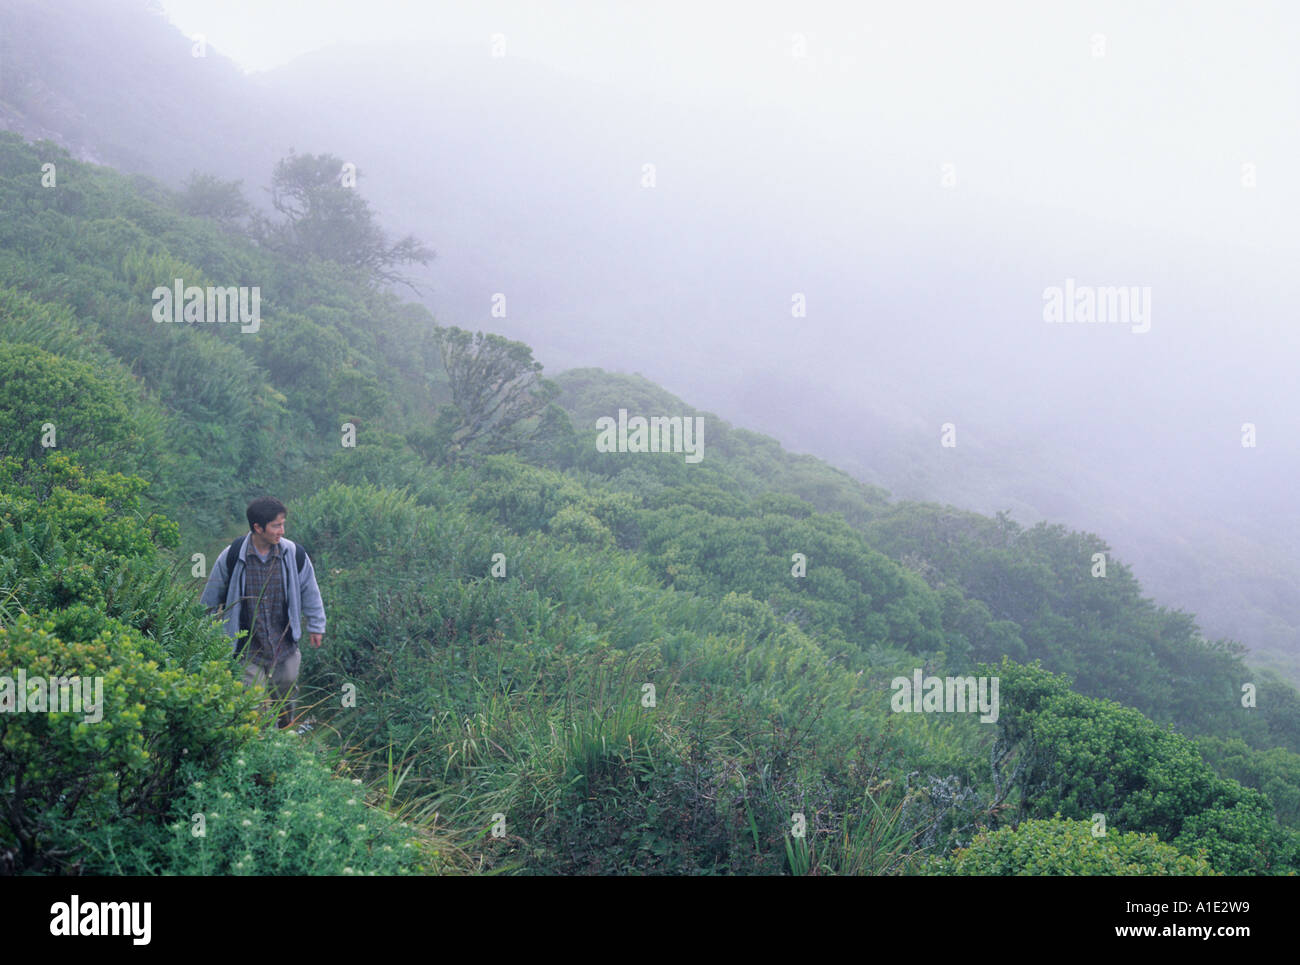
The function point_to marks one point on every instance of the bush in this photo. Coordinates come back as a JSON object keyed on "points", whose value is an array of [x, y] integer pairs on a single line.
{"points": [[274, 809], [63, 774], [1061, 847], [1080, 756], [97, 410]]}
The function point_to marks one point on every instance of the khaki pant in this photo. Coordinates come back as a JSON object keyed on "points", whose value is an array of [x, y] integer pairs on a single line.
{"points": [[283, 684]]}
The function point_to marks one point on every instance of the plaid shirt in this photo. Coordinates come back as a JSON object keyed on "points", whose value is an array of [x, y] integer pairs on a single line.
{"points": [[266, 608]]}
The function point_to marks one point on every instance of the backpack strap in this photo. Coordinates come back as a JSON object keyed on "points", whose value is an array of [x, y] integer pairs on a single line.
{"points": [[232, 554]]}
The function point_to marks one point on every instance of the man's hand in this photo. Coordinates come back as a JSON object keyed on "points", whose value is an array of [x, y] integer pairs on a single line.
{"points": [[316, 639]]}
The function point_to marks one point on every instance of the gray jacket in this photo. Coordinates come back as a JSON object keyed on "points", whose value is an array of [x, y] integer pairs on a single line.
{"points": [[300, 588]]}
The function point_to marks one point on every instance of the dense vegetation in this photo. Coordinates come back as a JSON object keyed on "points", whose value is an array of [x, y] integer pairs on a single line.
{"points": [[541, 657]]}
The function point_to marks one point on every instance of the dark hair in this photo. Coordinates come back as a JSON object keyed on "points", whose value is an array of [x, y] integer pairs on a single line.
{"points": [[262, 511]]}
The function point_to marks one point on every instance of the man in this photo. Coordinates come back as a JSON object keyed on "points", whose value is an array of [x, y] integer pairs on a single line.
{"points": [[268, 589]]}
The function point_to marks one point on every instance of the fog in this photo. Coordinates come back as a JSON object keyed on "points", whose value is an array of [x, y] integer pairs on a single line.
{"points": [[916, 178]]}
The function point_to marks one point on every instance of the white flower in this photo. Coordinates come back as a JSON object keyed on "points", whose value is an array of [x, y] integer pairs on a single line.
{"points": [[361, 827], [240, 762], [356, 780], [247, 823], [282, 833], [352, 800], [226, 794]]}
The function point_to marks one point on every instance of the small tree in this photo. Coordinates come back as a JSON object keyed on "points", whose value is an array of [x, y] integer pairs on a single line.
{"points": [[325, 217], [207, 196], [497, 391]]}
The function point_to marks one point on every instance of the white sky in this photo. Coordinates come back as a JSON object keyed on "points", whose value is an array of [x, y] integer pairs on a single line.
{"points": [[1010, 92]]}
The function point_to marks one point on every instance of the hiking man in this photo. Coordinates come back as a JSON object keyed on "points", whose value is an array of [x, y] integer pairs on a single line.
{"points": [[265, 584]]}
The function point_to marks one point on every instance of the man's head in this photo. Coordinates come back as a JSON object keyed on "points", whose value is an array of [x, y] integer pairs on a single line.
{"points": [[266, 518]]}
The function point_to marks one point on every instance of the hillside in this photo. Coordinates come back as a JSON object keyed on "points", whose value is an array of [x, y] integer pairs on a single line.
{"points": [[906, 333], [560, 659]]}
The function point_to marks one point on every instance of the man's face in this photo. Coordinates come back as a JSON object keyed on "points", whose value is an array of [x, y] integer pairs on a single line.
{"points": [[273, 531]]}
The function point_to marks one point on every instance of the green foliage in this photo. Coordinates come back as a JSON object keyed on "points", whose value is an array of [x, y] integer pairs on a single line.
{"points": [[537, 717], [207, 196], [1039, 600], [849, 590], [79, 283], [62, 774], [88, 791], [735, 459], [497, 388], [273, 808], [1081, 756], [1275, 772], [93, 600], [1239, 836], [1062, 847], [326, 218], [26, 321], [92, 414]]}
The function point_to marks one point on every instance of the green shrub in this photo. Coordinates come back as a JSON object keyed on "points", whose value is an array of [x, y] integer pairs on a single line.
{"points": [[1242, 837], [95, 410], [1061, 847], [1275, 772], [63, 774], [273, 809], [1080, 756]]}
